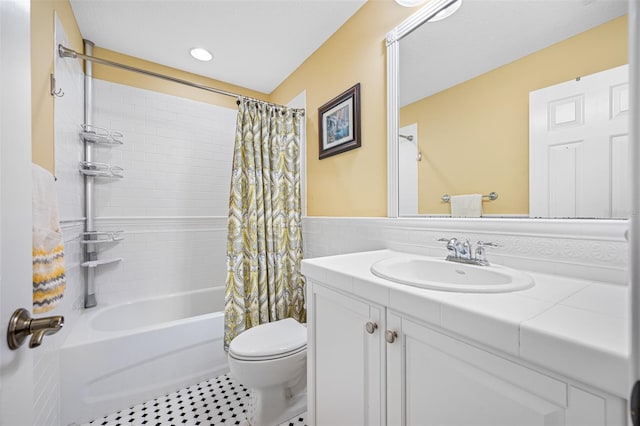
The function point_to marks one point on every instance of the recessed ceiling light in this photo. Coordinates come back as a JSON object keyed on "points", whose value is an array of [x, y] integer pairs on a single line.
{"points": [[201, 54]]}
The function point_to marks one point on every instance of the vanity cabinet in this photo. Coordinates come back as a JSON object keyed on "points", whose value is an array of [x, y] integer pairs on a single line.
{"points": [[434, 379], [407, 373], [345, 359]]}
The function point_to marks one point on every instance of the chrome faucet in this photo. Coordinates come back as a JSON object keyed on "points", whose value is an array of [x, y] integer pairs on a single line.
{"points": [[462, 251]]}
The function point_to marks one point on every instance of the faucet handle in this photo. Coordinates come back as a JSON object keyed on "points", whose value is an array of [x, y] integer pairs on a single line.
{"points": [[487, 244], [480, 255], [452, 245], [21, 325]]}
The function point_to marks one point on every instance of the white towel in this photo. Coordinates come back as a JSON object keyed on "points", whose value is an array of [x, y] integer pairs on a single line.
{"points": [[48, 249], [469, 205]]}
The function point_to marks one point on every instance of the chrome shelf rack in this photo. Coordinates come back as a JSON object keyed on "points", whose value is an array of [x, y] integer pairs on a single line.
{"points": [[100, 135], [91, 168], [91, 136]]}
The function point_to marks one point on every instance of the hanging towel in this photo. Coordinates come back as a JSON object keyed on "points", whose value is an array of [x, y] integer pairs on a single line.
{"points": [[48, 248], [469, 205]]}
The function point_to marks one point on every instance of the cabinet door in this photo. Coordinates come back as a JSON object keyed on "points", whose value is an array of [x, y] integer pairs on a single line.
{"points": [[346, 362], [434, 379]]}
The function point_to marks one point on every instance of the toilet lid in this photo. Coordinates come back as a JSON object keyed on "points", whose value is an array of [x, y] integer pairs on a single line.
{"points": [[270, 340]]}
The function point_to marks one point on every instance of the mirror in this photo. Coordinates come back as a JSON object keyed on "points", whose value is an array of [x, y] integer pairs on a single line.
{"points": [[499, 98]]}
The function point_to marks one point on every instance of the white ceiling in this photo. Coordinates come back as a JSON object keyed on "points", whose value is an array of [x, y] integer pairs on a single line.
{"points": [[256, 44], [486, 34]]}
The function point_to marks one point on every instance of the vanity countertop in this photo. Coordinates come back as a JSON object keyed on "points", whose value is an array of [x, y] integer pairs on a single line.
{"points": [[577, 328]]}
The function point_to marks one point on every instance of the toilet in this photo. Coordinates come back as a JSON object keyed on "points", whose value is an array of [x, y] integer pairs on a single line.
{"points": [[271, 360]]}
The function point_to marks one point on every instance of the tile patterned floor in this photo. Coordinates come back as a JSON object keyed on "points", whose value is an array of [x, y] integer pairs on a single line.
{"points": [[219, 401]]}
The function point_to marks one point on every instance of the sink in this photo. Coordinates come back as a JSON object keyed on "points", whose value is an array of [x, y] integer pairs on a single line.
{"points": [[440, 274]]}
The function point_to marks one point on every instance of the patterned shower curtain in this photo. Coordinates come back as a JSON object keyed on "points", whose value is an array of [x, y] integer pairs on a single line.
{"points": [[264, 246]]}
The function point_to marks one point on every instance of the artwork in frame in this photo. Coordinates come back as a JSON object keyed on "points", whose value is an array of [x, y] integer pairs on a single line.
{"points": [[339, 123]]}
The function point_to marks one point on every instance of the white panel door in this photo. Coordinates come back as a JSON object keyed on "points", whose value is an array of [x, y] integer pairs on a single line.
{"points": [[408, 158], [346, 361], [16, 393], [578, 147], [435, 380]]}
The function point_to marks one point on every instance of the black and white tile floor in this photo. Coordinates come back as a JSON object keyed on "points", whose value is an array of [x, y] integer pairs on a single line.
{"points": [[219, 401]]}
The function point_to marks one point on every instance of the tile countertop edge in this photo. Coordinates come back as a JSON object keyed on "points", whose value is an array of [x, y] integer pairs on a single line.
{"points": [[599, 360]]}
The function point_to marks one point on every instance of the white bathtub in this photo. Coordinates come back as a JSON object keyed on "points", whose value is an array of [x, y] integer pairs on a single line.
{"points": [[121, 355]]}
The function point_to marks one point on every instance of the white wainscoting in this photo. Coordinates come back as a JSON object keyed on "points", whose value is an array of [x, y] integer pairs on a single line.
{"points": [[589, 249]]}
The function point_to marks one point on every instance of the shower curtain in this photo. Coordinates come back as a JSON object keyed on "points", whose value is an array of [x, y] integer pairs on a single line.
{"points": [[264, 246]]}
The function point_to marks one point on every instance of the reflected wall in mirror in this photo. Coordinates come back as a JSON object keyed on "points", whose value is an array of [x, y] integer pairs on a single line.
{"points": [[464, 85]]}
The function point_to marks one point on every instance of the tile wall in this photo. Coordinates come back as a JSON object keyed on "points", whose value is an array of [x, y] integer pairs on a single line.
{"points": [[172, 202], [590, 249]]}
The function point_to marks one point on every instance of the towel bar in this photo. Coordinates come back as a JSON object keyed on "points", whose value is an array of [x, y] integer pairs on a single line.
{"points": [[491, 196]]}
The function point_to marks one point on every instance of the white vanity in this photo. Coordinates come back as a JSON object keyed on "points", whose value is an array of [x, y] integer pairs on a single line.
{"points": [[381, 352]]}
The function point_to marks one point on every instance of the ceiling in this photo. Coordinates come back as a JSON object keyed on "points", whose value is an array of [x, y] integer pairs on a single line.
{"points": [[486, 34], [256, 44]]}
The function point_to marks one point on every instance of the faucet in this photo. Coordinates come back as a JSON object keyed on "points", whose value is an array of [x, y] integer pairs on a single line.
{"points": [[462, 251], [451, 246]]}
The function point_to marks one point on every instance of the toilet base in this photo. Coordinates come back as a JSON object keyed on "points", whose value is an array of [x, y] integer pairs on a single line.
{"points": [[271, 406]]}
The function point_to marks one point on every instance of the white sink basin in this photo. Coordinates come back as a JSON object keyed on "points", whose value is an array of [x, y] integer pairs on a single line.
{"points": [[440, 274]]}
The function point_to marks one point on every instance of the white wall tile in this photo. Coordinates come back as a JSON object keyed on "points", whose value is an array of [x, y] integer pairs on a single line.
{"points": [[594, 250], [177, 153]]}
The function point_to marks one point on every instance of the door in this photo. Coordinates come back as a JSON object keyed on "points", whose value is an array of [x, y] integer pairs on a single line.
{"points": [[435, 380], [408, 158], [16, 393], [579, 147], [346, 362]]}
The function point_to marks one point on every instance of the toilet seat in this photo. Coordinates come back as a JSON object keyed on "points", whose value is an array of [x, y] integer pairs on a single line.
{"points": [[266, 357], [272, 340]]}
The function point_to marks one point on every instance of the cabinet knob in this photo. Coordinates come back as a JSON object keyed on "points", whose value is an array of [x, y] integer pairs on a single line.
{"points": [[390, 336], [371, 327]]}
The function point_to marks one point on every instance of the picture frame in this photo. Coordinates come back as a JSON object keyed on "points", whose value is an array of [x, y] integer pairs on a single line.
{"points": [[339, 123]]}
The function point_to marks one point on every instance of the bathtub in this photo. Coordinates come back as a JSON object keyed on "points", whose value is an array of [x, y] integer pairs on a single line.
{"points": [[121, 355]]}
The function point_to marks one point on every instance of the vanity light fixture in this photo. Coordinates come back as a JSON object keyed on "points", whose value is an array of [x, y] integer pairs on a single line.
{"points": [[446, 12], [201, 54]]}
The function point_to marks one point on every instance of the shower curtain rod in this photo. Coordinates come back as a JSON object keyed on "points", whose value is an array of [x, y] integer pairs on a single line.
{"points": [[65, 52]]}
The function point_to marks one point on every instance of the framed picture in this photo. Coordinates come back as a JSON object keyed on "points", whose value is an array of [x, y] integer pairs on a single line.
{"points": [[339, 123]]}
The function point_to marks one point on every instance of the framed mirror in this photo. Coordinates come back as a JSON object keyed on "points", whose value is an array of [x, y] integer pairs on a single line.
{"points": [[523, 104]]}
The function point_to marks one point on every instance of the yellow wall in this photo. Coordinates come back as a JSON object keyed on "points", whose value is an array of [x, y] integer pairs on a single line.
{"points": [[352, 183], [42, 56], [475, 136], [116, 75]]}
